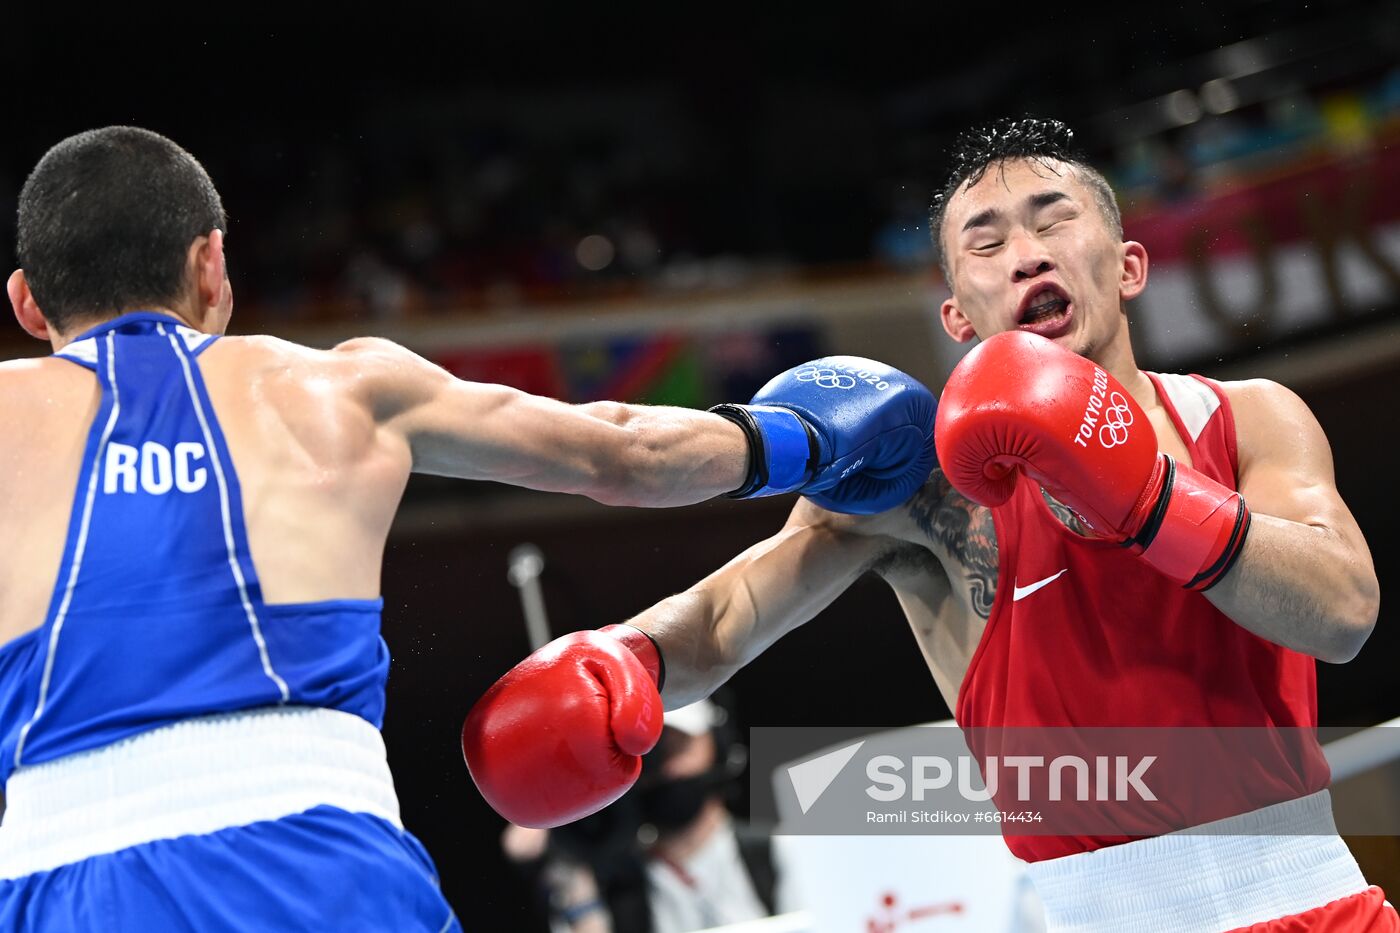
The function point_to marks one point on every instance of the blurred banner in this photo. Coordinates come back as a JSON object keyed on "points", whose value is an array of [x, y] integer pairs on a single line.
{"points": [[669, 368], [1304, 248]]}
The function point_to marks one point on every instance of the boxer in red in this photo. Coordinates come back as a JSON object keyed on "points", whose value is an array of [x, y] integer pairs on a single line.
{"points": [[1101, 547]]}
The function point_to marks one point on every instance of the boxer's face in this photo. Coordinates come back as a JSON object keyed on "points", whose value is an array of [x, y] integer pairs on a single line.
{"points": [[1029, 248]]}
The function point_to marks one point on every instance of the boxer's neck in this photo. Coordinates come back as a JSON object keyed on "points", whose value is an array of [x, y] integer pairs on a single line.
{"points": [[78, 328]]}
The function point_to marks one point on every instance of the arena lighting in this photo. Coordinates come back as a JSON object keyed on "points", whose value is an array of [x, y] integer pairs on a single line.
{"points": [[1219, 96], [1257, 70], [1245, 58], [1182, 107], [595, 252]]}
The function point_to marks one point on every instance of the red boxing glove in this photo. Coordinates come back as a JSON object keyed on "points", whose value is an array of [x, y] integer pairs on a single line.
{"points": [[1021, 402], [561, 734]]}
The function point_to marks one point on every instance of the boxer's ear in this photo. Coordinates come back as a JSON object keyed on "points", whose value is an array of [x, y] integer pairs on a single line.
{"points": [[955, 322], [26, 308], [1134, 275], [204, 264]]}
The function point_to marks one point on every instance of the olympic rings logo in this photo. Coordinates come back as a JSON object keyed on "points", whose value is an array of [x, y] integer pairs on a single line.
{"points": [[1116, 418], [826, 378]]}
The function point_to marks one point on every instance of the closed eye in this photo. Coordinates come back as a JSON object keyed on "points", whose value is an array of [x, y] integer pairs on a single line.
{"points": [[982, 246]]}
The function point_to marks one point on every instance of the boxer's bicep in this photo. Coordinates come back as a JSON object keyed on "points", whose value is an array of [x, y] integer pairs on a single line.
{"points": [[1285, 461], [491, 432], [475, 430], [1305, 578]]}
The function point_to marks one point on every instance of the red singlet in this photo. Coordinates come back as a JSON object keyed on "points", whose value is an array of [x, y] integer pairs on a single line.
{"points": [[1083, 633]]}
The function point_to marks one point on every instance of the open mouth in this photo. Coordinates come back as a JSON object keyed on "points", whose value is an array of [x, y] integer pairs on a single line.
{"points": [[1045, 311]]}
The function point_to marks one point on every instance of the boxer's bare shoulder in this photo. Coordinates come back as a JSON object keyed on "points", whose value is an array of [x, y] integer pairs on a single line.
{"points": [[1281, 447], [49, 404], [1285, 462], [44, 422], [34, 376], [290, 407], [1268, 416], [28, 367]]}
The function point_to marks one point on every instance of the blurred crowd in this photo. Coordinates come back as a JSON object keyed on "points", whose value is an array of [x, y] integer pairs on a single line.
{"points": [[442, 210], [520, 198], [669, 857]]}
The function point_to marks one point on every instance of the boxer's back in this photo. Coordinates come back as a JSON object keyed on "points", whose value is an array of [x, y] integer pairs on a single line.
{"points": [[320, 483], [182, 466]]}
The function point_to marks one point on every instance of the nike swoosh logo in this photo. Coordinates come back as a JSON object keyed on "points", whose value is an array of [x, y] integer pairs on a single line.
{"points": [[1021, 592]]}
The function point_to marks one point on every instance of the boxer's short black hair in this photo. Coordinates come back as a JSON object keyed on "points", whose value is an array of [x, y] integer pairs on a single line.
{"points": [[106, 219], [1040, 140]]}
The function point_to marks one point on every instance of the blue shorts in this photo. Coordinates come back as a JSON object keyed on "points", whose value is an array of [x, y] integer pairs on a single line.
{"points": [[320, 870]]}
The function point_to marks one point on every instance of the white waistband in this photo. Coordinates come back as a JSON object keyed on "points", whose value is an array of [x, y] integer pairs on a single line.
{"points": [[1269, 863], [196, 776]]}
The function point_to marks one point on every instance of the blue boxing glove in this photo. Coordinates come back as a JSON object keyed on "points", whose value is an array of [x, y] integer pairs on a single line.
{"points": [[851, 434]]}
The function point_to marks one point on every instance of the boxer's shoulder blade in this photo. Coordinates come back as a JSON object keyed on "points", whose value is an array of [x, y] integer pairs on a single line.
{"points": [[290, 393], [320, 481]]}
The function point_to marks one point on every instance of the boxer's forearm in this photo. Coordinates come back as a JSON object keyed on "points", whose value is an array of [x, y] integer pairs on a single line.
{"points": [[1301, 586], [666, 456], [713, 629]]}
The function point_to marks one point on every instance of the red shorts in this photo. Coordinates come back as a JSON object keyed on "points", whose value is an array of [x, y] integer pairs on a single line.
{"points": [[1366, 912]]}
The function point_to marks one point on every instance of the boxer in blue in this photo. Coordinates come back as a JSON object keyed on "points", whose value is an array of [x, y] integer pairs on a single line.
{"points": [[191, 671]]}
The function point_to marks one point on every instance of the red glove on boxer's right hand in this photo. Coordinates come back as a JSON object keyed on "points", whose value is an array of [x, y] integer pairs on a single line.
{"points": [[1021, 402], [561, 734]]}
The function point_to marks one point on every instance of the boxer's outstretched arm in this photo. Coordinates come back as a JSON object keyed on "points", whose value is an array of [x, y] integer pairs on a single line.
{"points": [[711, 630], [599, 688], [1305, 578], [615, 453]]}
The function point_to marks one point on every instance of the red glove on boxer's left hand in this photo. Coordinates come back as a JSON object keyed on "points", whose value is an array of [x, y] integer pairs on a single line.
{"points": [[561, 735], [1020, 402]]}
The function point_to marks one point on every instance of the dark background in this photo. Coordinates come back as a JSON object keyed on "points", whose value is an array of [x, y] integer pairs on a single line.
{"points": [[462, 153]]}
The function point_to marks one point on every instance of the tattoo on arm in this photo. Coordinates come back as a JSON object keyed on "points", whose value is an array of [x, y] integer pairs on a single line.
{"points": [[1068, 518], [964, 530]]}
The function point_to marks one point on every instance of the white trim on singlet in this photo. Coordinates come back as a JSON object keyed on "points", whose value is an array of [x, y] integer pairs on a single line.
{"points": [[79, 549], [194, 339], [194, 777], [1193, 400], [84, 351], [226, 514]]}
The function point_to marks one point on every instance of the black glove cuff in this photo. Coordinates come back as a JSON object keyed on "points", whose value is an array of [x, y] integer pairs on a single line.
{"points": [[660, 657], [757, 476]]}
